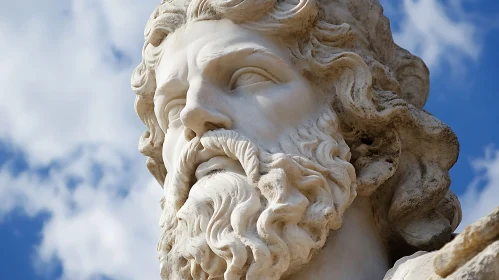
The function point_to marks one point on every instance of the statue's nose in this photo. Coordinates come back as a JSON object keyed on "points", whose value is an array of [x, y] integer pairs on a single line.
{"points": [[202, 111]]}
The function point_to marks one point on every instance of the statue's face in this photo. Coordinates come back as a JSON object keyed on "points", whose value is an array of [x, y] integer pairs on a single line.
{"points": [[257, 173], [215, 74]]}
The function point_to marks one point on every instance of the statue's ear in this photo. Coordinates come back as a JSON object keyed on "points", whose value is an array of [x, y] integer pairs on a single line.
{"points": [[375, 158]]}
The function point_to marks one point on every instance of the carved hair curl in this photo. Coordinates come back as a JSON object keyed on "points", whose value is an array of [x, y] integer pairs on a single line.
{"points": [[401, 153]]}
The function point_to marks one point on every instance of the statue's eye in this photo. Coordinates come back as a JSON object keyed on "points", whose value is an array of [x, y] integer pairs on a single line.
{"points": [[250, 76]]}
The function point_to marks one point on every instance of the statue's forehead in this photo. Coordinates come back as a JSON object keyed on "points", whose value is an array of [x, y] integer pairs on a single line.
{"points": [[203, 38], [198, 43]]}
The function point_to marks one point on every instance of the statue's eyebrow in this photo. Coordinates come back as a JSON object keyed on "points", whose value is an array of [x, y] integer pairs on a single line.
{"points": [[204, 60]]}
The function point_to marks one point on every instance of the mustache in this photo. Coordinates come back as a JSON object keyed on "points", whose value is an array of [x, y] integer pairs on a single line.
{"points": [[220, 142]]}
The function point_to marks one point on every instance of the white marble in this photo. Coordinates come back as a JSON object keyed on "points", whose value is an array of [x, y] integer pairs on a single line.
{"points": [[290, 142]]}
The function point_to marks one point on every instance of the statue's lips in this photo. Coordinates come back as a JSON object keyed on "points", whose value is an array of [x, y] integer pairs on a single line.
{"points": [[218, 163]]}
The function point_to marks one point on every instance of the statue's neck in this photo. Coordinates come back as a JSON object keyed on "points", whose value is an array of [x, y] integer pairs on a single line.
{"points": [[355, 252]]}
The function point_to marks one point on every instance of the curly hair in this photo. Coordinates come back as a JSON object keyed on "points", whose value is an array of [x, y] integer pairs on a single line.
{"points": [[401, 153]]}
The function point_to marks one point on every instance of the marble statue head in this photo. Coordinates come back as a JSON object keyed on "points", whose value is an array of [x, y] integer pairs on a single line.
{"points": [[267, 119]]}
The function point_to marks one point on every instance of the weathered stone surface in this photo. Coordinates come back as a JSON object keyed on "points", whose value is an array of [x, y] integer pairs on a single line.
{"points": [[484, 266], [473, 254], [290, 141]]}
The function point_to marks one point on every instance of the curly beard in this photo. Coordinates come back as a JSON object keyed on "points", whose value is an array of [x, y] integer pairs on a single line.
{"points": [[264, 222]]}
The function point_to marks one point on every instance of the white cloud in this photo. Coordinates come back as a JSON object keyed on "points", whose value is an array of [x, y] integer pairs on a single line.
{"points": [[67, 103], [482, 194], [92, 229], [428, 30], [61, 85]]}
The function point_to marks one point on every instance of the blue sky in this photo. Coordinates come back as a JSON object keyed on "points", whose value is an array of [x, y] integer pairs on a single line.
{"points": [[76, 201]]}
